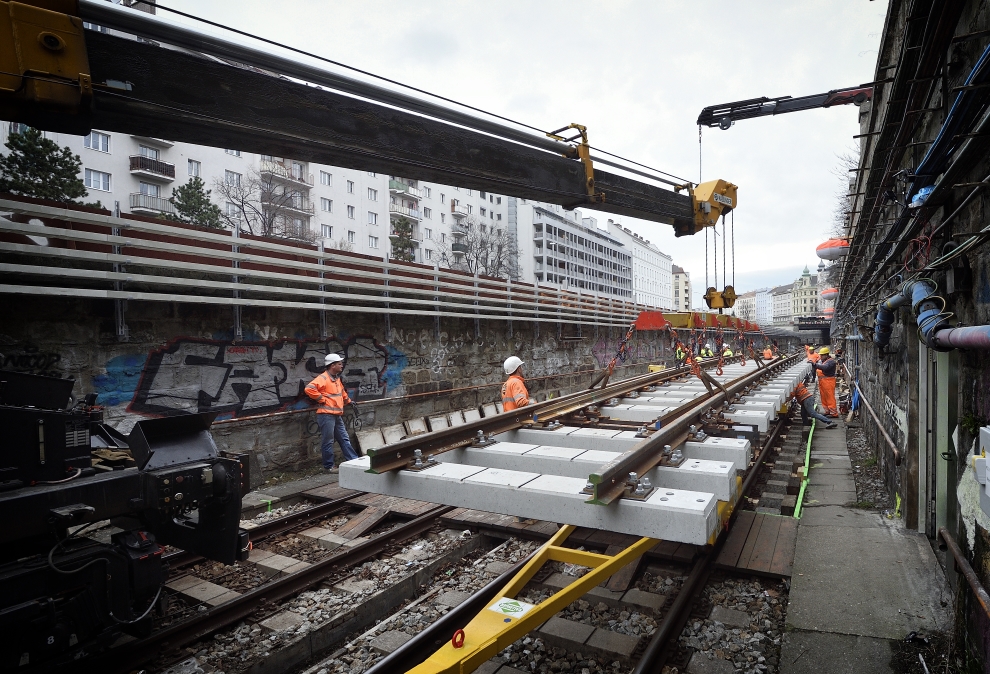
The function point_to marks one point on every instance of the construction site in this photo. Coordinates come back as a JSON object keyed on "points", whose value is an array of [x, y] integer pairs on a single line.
{"points": [[311, 369]]}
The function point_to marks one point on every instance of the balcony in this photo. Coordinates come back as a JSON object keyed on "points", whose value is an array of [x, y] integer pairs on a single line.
{"points": [[274, 168], [395, 209], [459, 211], [458, 230], [152, 168], [459, 248], [402, 188], [415, 236], [294, 205], [151, 205], [160, 142]]}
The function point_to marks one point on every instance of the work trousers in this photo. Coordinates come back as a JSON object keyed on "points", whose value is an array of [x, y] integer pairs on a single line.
{"points": [[332, 428], [808, 413], [826, 394]]}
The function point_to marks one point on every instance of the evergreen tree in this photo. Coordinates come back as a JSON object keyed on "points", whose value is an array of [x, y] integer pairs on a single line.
{"points": [[38, 167], [403, 247], [193, 205]]}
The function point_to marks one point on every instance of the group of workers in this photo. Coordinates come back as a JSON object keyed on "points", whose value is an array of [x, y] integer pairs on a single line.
{"points": [[704, 352], [329, 392]]}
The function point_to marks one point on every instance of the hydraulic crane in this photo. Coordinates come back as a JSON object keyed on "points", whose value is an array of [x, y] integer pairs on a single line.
{"points": [[177, 83], [725, 115]]}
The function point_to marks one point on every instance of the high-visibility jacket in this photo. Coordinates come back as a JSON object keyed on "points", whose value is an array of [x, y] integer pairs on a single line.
{"points": [[706, 353], [727, 353], [767, 353], [679, 354], [802, 393], [329, 392], [813, 356], [514, 393]]}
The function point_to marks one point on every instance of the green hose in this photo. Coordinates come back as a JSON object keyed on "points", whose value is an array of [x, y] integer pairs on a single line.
{"points": [[807, 469]]}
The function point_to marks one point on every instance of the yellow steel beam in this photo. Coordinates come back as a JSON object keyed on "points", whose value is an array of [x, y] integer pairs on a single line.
{"points": [[579, 557], [506, 619]]}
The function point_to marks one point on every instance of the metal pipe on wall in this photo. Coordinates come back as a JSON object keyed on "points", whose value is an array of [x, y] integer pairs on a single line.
{"points": [[869, 408]]}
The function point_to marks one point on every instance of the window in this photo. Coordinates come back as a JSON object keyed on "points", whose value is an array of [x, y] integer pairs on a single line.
{"points": [[443, 198], [327, 231], [498, 200], [17, 127], [93, 26], [372, 242], [232, 210], [372, 218], [443, 218], [350, 212], [233, 153], [97, 180], [350, 236], [267, 157], [97, 141], [470, 208], [469, 192], [372, 174], [429, 233], [428, 254], [443, 237], [428, 213], [326, 179], [426, 192], [350, 187], [193, 167], [481, 193], [483, 212], [372, 195], [150, 189], [232, 178], [300, 226], [149, 152], [298, 171], [498, 216], [326, 204]]}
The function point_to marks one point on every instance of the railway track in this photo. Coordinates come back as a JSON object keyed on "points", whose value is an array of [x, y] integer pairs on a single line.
{"points": [[253, 616]]}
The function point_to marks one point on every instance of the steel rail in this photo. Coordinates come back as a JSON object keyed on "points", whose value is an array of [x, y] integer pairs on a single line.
{"points": [[964, 566], [397, 455], [128, 656], [610, 480], [886, 436], [657, 651]]}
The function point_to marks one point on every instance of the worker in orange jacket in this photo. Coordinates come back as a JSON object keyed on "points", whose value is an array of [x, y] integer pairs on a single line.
{"points": [[826, 381], [767, 352], [328, 390], [514, 393], [805, 399]]}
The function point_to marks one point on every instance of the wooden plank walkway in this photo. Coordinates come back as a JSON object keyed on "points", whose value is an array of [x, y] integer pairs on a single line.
{"points": [[760, 544]]}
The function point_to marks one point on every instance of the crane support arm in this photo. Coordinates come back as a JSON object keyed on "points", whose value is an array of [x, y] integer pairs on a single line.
{"points": [[726, 114]]}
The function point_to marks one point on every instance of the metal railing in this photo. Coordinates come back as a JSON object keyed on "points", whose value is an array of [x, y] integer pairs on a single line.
{"points": [[413, 236], [151, 203], [284, 172], [170, 262], [161, 168], [397, 186], [402, 210], [459, 211]]}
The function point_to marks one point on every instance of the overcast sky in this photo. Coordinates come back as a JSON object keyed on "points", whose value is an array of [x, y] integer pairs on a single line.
{"points": [[637, 74]]}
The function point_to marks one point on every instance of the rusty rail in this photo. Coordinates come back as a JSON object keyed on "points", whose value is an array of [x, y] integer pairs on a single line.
{"points": [[890, 443], [963, 565]]}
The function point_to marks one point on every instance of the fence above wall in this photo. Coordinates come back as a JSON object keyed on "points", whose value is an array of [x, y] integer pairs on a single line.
{"points": [[59, 251]]}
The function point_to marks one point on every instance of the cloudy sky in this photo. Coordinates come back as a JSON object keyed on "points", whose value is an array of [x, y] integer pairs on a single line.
{"points": [[637, 73]]}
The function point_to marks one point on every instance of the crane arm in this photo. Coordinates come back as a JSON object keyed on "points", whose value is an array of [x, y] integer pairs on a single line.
{"points": [[725, 115]]}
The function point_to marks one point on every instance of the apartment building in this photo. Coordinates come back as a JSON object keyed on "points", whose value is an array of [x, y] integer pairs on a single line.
{"points": [[682, 288], [782, 300], [745, 306], [805, 296], [651, 269]]}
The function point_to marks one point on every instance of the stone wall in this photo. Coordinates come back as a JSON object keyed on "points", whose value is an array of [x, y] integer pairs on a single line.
{"points": [[184, 358]]}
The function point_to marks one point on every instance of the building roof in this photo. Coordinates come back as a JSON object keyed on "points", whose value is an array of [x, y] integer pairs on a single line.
{"points": [[780, 290], [677, 270]]}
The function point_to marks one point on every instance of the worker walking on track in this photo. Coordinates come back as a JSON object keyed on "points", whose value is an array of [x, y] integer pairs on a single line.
{"points": [[514, 393], [328, 390], [826, 381], [806, 399]]}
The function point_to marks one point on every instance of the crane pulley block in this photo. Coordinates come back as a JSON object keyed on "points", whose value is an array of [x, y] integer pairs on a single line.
{"points": [[725, 299], [44, 68], [710, 201]]}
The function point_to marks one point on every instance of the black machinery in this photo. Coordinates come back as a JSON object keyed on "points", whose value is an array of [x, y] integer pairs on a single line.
{"points": [[63, 595]]}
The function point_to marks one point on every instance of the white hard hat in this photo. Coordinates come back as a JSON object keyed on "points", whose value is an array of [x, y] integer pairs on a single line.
{"points": [[332, 358], [511, 364]]}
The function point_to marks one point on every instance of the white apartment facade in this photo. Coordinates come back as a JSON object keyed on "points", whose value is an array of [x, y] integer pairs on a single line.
{"points": [[804, 296], [745, 306], [653, 283], [682, 288], [783, 310], [763, 306]]}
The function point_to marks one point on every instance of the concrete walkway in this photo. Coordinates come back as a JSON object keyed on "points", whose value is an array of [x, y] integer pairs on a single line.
{"points": [[860, 581]]}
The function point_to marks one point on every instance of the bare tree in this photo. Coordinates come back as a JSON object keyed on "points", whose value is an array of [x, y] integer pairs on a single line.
{"points": [[261, 204], [340, 244], [480, 248]]}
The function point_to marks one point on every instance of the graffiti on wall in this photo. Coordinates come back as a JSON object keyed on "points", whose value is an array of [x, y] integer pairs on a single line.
{"points": [[246, 377], [32, 360]]}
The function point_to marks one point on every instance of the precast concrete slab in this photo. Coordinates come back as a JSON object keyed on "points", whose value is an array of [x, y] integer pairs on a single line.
{"points": [[571, 436], [758, 405], [735, 450], [638, 413], [717, 477], [760, 419], [669, 514]]}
